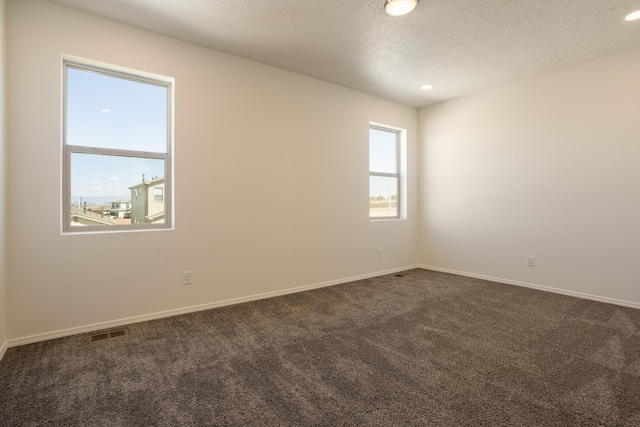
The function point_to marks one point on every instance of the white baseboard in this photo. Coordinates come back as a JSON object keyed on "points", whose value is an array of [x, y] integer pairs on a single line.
{"points": [[538, 287], [168, 313], [3, 349]]}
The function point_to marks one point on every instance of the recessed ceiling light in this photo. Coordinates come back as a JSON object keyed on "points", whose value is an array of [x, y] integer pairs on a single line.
{"points": [[426, 87], [400, 7], [632, 16]]}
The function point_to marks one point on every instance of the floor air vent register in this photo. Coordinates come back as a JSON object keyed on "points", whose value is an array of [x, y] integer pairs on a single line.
{"points": [[101, 336]]}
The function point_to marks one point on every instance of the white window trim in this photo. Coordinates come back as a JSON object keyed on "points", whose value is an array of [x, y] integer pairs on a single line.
{"points": [[68, 150], [402, 171]]}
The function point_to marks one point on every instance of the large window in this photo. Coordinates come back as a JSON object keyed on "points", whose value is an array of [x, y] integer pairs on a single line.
{"points": [[384, 172], [117, 144]]}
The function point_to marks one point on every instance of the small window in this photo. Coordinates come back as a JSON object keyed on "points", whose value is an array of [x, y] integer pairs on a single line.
{"points": [[158, 194], [117, 131], [384, 172]]}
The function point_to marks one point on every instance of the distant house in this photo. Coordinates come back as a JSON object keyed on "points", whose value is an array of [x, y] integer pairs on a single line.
{"points": [[82, 217], [120, 209], [147, 202]]}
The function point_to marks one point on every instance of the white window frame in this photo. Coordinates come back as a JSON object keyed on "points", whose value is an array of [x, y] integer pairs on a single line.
{"points": [[401, 170], [67, 150]]}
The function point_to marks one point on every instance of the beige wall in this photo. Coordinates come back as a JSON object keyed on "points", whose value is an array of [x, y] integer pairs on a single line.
{"points": [[3, 186], [547, 167], [271, 182]]}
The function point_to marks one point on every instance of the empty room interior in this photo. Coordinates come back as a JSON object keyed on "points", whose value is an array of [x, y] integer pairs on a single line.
{"points": [[360, 218]]}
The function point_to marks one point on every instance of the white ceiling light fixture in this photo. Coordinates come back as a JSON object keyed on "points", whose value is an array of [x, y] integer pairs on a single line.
{"points": [[426, 87], [633, 16], [400, 7]]}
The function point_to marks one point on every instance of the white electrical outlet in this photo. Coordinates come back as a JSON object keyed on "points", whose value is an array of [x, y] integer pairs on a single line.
{"points": [[379, 252], [186, 278], [529, 261]]}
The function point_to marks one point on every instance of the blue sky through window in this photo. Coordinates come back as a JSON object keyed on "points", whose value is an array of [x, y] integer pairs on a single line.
{"points": [[114, 113], [383, 154], [109, 177]]}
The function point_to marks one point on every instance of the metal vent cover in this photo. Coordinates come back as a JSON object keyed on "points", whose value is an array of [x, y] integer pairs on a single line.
{"points": [[101, 336]]}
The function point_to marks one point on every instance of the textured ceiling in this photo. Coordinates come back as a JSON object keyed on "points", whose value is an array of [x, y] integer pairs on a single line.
{"points": [[460, 46]]}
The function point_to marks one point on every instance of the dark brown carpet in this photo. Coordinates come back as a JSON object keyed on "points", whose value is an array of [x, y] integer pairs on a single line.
{"points": [[425, 349]]}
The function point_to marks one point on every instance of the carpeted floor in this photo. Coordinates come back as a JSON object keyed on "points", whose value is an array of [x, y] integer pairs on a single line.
{"points": [[424, 349]]}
